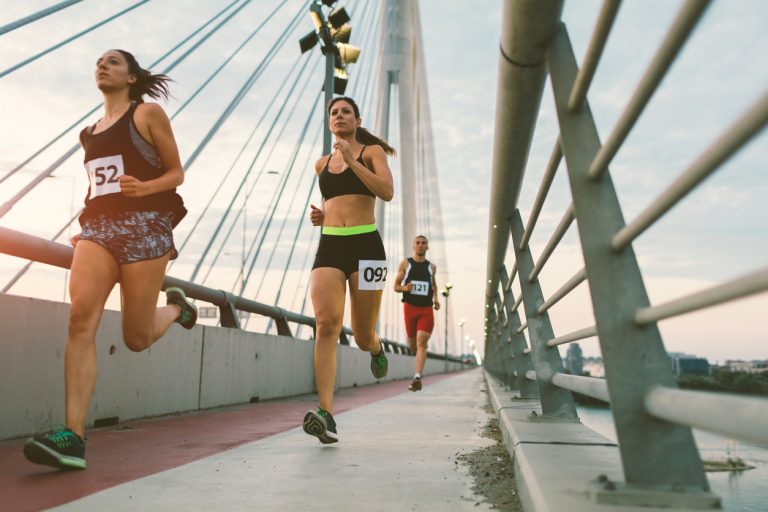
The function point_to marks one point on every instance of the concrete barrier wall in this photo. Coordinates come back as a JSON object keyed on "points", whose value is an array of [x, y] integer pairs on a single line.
{"points": [[186, 370]]}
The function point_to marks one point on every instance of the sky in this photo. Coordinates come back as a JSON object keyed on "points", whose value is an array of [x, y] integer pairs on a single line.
{"points": [[718, 233]]}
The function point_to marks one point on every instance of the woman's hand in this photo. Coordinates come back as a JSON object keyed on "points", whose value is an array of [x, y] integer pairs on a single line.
{"points": [[316, 215], [133, 187], [344, 148]]}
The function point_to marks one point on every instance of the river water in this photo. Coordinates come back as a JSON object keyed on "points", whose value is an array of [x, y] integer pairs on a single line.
{"points": [[742, 491]]}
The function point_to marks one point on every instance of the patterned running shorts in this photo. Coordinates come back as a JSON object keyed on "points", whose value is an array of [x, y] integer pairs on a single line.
{"points": [[131, 236]]}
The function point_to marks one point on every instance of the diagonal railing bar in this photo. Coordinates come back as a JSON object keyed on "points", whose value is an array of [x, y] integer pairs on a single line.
{"points": [[97, 107], [562, 228], [595, 49], [587, 332], [546, 183], [568, 287], [678, 34], [738, 288], [69, 39], [746, 418], [741, 132], [617, 290], [589, 386], [36, 16]]}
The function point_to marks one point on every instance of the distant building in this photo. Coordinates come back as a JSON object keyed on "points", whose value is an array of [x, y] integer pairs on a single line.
{"points": [[755, 366], [688, 364], [574, 359]]}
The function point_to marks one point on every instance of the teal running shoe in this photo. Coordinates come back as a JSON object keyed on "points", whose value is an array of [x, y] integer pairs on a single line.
{"points": [[59, 448], [379, 364], [188, 315], [321, 424]]}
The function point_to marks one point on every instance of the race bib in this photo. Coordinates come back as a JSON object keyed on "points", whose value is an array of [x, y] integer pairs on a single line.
{"points": [[420, 288], [103, 174], [372, 274]]}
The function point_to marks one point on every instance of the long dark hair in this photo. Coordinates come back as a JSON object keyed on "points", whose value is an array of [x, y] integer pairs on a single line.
{"points": [[154, 86], [362, 135]]}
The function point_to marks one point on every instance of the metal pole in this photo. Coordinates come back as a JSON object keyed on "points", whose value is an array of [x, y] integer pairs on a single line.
{"points": [[330, 65], [447, 295]]}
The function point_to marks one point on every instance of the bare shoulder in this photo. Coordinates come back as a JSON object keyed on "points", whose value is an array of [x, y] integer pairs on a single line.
{"points": [[375, 151], [320, 163], [150, 113]]}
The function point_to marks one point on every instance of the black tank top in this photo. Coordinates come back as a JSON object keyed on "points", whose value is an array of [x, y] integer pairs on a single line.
{"points": [[342, 183], [420, 274], [121, 150]]}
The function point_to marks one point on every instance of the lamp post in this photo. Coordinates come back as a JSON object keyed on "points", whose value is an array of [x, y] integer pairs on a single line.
{"points": [[461, 326], [446, 293], [334, 33]]}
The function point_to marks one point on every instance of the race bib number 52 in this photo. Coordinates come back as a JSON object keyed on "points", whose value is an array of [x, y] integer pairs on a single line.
{"points": [[103, 173], [372, 274]]}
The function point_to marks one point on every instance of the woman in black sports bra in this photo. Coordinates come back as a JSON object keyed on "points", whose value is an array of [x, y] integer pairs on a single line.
{"points": [[350, 249]]}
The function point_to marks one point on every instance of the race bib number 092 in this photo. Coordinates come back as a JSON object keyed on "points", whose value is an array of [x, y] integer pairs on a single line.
{"points": [[104, 174], [372, 274]]}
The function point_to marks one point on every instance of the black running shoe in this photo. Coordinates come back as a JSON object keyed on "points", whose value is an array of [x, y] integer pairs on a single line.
{"points": [[379, 364], [321, 425], [60, 448], [188, 315], [415, 385]]}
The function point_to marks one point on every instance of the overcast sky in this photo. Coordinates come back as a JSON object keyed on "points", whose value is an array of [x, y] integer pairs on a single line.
{"points": [[718, 233]]}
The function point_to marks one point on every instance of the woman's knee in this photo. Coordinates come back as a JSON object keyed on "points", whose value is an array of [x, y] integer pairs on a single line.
{"points": [[83, 321], [366, 340], [137, 340], [328, 326]]}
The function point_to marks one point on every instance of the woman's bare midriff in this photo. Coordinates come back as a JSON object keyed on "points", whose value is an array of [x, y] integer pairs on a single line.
{"points": [[349, 210]]}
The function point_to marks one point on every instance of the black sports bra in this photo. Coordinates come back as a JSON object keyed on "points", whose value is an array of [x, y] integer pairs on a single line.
{"points": [[343, 183]]}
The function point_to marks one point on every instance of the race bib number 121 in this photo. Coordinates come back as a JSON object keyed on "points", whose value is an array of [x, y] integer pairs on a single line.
{"points": [[372, 274]]}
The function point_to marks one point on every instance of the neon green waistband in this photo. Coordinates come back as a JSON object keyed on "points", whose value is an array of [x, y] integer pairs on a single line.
{"points": [[348, 230]]}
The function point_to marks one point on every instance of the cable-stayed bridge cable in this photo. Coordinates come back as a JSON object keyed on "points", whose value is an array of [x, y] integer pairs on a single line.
{"points": [[97, 107], [239, 96], [248, 172], [70, 39], [282, 189], [36, 16], [271, 102], [6, 207]]}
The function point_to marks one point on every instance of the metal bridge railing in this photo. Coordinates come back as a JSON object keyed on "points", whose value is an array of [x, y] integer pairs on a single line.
{"points": [[22, 245], [653, 418]]}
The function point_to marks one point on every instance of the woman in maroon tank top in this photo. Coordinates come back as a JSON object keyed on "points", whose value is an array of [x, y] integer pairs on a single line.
{"points": [[133, 167]]}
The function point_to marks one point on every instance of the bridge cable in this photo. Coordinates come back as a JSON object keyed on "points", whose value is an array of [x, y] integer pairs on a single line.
{"points": [[243, 182], [70, 39], [7, 206], [39, 178], [94, 109], [36, 16]]}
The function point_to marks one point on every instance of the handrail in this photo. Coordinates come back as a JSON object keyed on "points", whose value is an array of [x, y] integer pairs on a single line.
{"points": [[22, 245]]}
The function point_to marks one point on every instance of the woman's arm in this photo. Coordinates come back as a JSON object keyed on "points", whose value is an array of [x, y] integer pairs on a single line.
{"points": [[153, 124], [378, 178]]}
